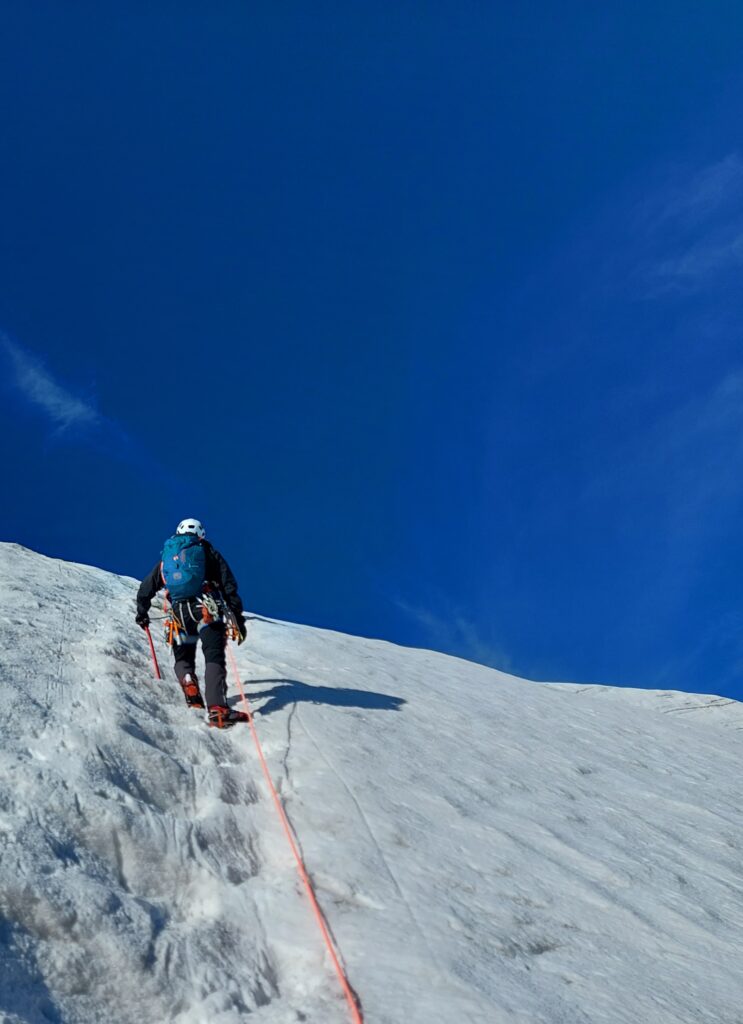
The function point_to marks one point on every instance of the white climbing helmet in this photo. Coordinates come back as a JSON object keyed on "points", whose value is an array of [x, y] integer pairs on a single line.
{"points": [[191, 526]]}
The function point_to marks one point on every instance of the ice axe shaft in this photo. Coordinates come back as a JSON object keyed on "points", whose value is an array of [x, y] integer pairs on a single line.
{"points": [[152, 652]]}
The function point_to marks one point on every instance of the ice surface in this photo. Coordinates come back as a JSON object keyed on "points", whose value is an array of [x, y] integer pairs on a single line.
{"points": [[486, 849]]}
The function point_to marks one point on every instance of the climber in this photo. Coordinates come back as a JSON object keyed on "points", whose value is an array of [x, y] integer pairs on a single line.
{"points": [[204, 602]]}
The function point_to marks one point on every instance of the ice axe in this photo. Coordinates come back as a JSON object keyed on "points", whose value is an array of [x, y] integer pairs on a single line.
{"points": [[152, 652]]}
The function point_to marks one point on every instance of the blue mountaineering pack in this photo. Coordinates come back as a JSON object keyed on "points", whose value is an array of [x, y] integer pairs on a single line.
{"points": [[184, 566]]}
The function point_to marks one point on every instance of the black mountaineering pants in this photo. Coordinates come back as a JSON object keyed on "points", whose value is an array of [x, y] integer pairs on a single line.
{"points": [[212, 643]]}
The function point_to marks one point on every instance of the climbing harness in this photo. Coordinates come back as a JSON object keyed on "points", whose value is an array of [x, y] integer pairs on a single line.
{"points": [[208, 608]]}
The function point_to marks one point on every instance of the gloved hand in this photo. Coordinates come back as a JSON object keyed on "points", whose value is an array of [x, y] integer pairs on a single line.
{"points": [[142, 620], [242, 629]]}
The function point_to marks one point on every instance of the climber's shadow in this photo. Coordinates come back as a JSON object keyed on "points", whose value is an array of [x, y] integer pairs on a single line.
{"points": [[292, 691]]}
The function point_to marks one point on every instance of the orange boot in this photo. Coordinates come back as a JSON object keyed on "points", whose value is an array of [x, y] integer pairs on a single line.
{"points": [[191, 691]]}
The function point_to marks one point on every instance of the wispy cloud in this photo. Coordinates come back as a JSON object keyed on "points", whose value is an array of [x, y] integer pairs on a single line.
{"points": [[687, 458], [679, 484], [455, 633], [693, 229], [33, 381], [697, 197], [71, 416], [641, 319], [698, 264], [720, 643], [691, 458]]}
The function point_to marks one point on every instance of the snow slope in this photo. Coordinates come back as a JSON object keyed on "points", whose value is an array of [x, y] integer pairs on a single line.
{"points": [[486, 849]]}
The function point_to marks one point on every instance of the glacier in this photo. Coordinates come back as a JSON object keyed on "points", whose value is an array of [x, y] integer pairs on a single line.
{"points": [[485, 849]]}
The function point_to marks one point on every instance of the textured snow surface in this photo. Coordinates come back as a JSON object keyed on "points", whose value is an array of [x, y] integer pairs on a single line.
{"points": [[485, 849]]}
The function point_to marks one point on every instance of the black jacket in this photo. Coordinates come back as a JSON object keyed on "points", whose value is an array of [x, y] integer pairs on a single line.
{"points": [[217, 571]]}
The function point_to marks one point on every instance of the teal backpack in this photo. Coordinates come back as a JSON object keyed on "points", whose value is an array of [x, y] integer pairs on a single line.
{"points": [[183, 566]]}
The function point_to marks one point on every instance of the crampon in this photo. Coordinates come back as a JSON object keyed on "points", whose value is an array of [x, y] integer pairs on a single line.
{"points": [[222, 717]]}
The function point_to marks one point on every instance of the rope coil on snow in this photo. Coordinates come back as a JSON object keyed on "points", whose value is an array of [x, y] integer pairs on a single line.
{"points": [[348, 992]]}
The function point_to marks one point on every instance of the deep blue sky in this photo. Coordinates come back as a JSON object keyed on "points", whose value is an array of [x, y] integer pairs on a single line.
{"points": [[431, 312]]}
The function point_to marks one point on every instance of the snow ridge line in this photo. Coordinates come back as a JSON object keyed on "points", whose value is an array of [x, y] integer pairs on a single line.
{"points": [[351, 997]]}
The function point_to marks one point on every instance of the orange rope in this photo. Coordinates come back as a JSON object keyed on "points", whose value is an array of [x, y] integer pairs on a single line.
{"points": [[347, 990]]}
